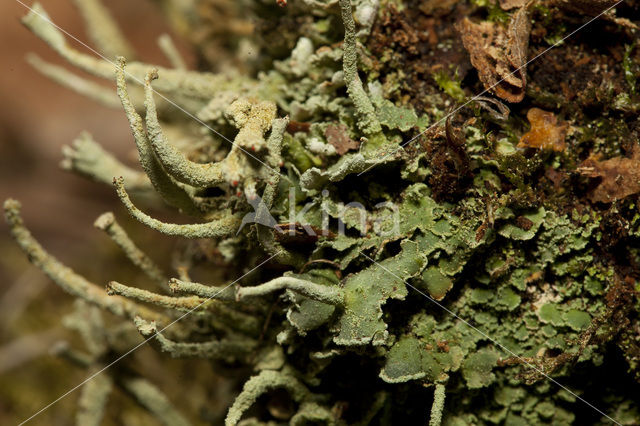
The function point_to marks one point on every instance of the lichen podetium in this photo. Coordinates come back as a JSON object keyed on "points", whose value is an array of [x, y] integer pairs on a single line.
{"points": [[486, 272]]}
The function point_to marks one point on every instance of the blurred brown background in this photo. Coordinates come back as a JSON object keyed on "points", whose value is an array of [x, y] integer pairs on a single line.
{"points": [[39, 117]]}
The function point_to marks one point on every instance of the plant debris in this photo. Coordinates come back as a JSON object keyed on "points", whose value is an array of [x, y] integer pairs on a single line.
{"points": [[338, 136], [449, 164], [619, 177], [546, 133], [512, 4], [500, 54]]}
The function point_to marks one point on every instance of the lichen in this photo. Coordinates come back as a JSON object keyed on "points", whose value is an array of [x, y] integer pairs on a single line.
{"points": [[391, 251]]}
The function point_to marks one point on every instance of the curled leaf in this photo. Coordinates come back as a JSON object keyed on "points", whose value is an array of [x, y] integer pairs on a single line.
{"points": [[499, 54], [500, 112]]}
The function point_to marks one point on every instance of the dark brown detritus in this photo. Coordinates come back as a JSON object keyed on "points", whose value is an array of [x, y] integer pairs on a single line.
{"points": [[297, 126], [418, 41], [449, 164], [615, 230], [557, 177], [481, 231], [585, 7], [524, 223], [299, 234]]}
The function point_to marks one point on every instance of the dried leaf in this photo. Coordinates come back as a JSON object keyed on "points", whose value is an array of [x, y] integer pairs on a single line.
{"points": [[546, 132], [337, 135], [620, 177], [512, 4], [500, 112], [499, 54]]}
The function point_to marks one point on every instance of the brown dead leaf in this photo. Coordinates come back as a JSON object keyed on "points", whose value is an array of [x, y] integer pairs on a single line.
{"points": [[500, 54], [338, 136], [546, 133], [620, 177], [512, 4]]}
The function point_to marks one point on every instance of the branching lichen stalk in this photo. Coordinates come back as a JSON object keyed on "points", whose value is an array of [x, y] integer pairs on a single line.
{"points": [[193, 304], [164, 185], [227, 293], [107, 222], [266, 234], [103, 30], [165, 42], [223, 349], [223, 227], [367, 119], [188, 83], [93, 400], [72, 283], [187, 303], [99, 93], [154, 400], [438, 405], [321, 293], [88, 158], [260, 384], [172, 160]]}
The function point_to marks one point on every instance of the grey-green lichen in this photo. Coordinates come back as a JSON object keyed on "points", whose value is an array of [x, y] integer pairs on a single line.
{"points": [[107, 222], [457, 272]]}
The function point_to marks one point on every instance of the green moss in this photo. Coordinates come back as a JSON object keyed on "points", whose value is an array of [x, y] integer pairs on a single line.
{"points": [[450, 86]]}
